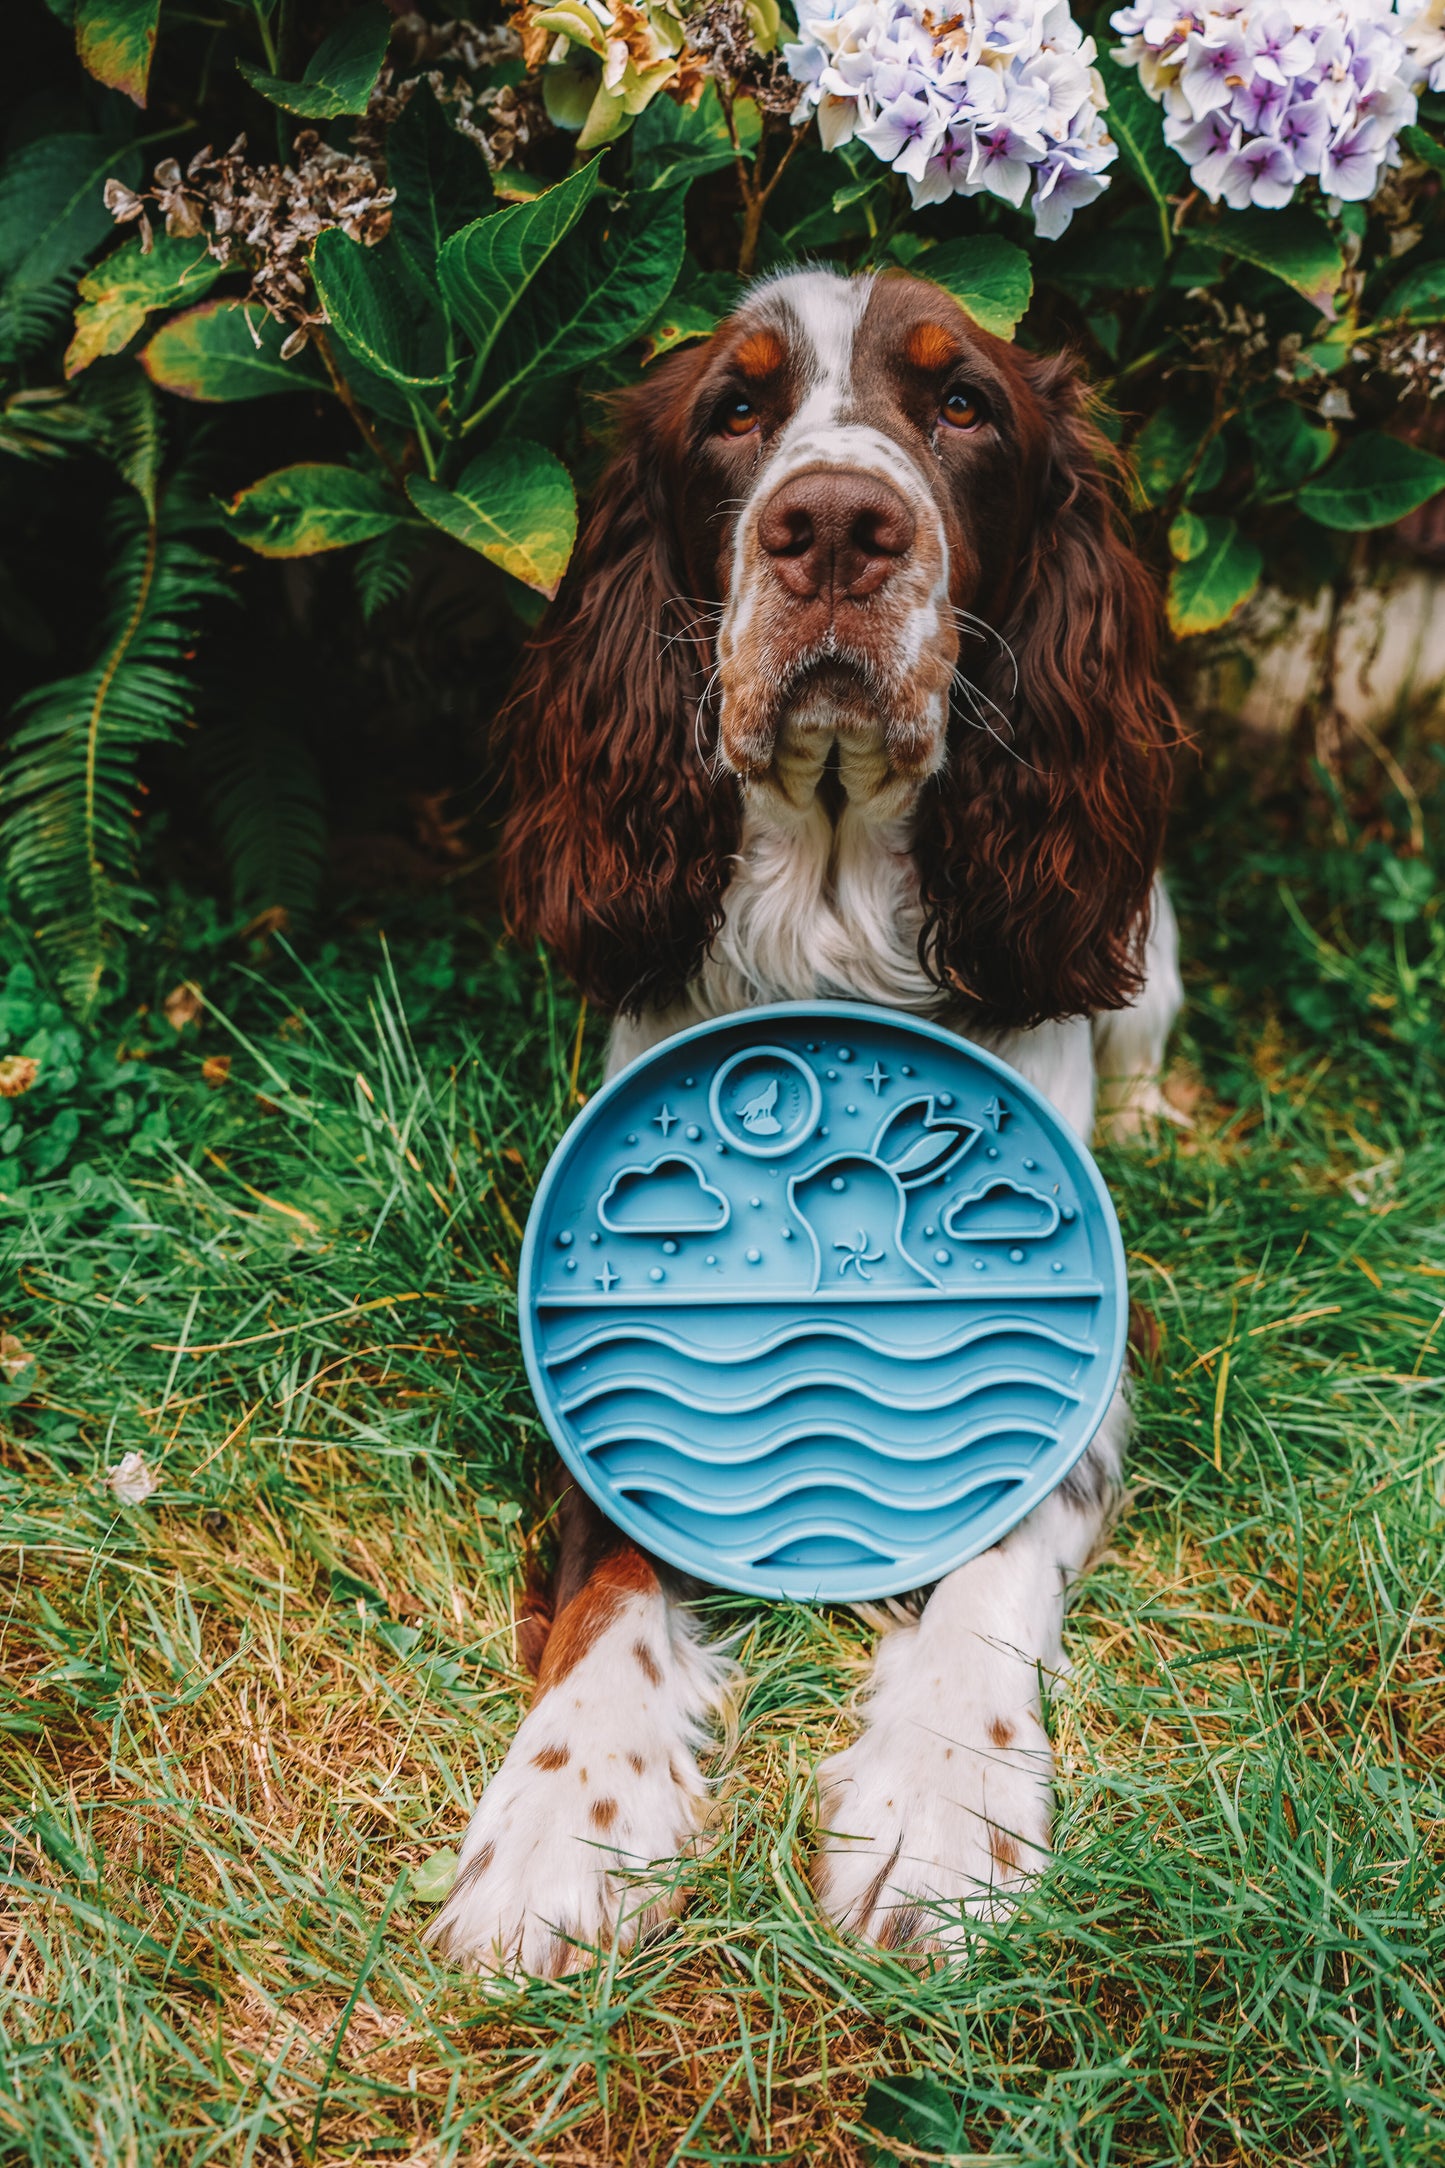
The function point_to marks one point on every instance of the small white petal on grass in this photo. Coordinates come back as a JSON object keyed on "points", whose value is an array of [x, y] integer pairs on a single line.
{"points": [[132, 1480]]}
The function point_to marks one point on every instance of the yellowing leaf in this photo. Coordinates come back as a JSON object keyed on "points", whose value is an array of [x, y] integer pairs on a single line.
{"points": [[223, 350], [301, 511], [1217, 579], [115, 40], [117, 296], [515, 505]]}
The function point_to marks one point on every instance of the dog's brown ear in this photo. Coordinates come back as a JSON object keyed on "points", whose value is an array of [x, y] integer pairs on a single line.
{"points": [[1038, 845], [616, 845]]}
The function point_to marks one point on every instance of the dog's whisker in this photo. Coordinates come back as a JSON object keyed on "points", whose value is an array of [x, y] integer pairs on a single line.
{"points": [[982, 629]]}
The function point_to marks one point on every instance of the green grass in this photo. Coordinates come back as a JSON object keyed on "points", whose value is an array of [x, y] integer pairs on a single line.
{"points": [[245, 1720]]}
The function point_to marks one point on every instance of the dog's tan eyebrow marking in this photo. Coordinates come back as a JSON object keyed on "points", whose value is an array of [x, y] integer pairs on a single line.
{"points": [[761, 354], [930, 346]]}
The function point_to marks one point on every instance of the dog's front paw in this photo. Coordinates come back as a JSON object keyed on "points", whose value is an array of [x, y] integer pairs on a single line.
{"points": [[921, 1826], [572, 1845]]}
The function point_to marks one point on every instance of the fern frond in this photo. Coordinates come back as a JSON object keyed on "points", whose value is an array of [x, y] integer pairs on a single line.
{"points": [[126, 417], [264, 795], [383, 569], [52, 219], [68, 836]]}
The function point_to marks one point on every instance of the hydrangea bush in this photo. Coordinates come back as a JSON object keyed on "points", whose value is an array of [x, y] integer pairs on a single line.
{"points": [[1261, 99], [1001, 98], [346, 283]]}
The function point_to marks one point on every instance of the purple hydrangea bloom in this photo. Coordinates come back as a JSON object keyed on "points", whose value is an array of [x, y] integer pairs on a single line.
{"points": [[1260, 99], [996, 95]]}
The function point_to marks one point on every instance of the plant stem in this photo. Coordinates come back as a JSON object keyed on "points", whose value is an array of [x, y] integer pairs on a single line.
{"points": [[353, 407]]}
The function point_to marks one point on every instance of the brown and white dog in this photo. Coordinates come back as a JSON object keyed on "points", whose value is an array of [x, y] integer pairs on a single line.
{"points": [[851, 692]]}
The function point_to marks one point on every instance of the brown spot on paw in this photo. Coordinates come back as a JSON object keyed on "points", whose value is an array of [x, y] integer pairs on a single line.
{"points": [[552, 1757], [647, 1663], [1000, 1732], [473, 1869], [636, 1764], [604, 1812]]}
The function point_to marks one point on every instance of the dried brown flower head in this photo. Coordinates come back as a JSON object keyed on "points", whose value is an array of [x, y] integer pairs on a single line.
{"points": [[265, 219], [721, 37]]}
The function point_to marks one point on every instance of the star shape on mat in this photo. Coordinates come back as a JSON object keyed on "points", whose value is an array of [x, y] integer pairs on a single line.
{"points": [[607, 1279], [666, 1118]]}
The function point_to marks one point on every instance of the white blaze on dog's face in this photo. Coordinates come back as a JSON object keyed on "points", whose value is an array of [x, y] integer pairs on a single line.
{"points": [[861, 442]]}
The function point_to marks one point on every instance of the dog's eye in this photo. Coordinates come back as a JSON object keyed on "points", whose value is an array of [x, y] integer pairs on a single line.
{"points": [[961, 410], [737, 417]]}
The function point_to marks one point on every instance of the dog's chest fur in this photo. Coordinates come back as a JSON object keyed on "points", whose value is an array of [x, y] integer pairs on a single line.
{"points": [[824, 899]]}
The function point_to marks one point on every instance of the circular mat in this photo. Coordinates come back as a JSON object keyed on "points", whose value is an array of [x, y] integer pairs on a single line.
{"points": [[817, 1301]]}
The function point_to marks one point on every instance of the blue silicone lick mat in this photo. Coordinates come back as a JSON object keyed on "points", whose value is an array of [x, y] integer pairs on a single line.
{"points": [[817, 1301]]}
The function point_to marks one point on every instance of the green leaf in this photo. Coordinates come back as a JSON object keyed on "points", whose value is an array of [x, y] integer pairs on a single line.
{"points": [[1418, 299], [1125, 258], [118, 295], [1137, 126], [1169, 445], [432, 1880], [598, 292], [1288, 448], [674, 145], [51, 219], [915, 2118], [515, 504], [340, 75], [301, 511], [694, 312], [1188, 537], [1205, 592], [1293, 244], [1375, 481], [115, 40], [223, 350], [988, 276], [382, 310], [440, 178], [1422, 145], [487, 268]]}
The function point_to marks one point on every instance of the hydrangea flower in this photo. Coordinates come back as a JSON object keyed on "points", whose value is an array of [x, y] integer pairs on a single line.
{"points": [[997, 95], [1260, 96]]}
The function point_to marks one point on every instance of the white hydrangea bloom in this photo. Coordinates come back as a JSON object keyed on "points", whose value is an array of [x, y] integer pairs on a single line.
{"points": [[999, 95], [1261, 96]]}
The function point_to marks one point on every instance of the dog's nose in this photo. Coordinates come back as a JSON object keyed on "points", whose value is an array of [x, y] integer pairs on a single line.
{"points": [[835, 534]]}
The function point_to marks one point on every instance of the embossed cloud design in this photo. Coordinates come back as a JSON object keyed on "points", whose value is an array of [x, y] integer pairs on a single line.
{"points": [[671, 1197], [859, 1302], [1002, 1211]]}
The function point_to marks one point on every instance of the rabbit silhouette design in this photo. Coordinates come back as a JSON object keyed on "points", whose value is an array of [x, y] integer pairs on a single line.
{"points": [[854, 1204]]}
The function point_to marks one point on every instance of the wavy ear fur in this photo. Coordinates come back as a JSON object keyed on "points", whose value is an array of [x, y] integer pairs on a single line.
{"points": [[1039, 842], [615, 849]]}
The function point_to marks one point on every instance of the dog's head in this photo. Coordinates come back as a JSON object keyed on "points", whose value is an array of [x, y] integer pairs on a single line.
{"points": [[851, 527]]}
